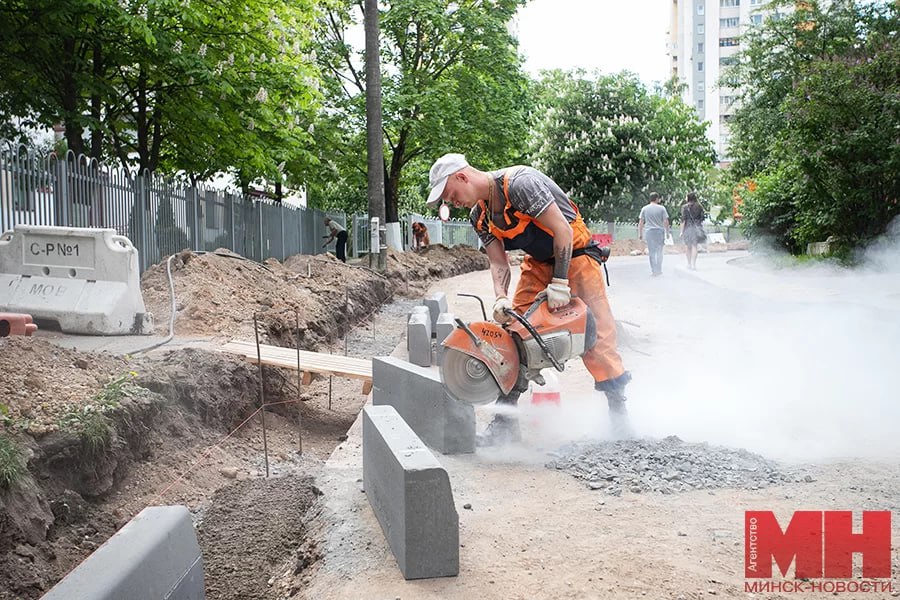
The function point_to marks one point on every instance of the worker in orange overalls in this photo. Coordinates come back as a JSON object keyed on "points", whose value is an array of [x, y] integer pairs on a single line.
{"points": [[528, 211]]}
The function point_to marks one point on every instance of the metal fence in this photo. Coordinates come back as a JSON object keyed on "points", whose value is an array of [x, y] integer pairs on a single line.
{"points": [[450, 233], [159, 215]]}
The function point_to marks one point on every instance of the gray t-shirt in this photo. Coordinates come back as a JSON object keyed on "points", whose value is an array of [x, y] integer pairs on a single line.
{"points": [[654, 216], [530, 192], [335, 227]]}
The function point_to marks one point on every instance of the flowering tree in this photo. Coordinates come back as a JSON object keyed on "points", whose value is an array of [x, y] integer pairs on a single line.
{"points": [[608, 142]]}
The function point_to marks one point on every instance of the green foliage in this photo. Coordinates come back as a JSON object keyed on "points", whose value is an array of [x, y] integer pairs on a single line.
{"points": [[609, 142], [12, 462], [91, 421], [771, 210], [193, 86], [452, 81], [818, 123]]}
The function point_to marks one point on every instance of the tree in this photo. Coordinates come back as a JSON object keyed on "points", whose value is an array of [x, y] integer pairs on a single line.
{"points": [[374, 140], [55, 58], [452, 80], [171, 85], [818, 133], [608, 142]]}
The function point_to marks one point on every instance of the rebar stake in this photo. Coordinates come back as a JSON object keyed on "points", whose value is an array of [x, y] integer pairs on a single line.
{"points": [[262, 395], [299, 416]]}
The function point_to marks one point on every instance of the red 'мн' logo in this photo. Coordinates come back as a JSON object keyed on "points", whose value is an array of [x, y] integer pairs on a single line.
{"points": [[821, 544]]}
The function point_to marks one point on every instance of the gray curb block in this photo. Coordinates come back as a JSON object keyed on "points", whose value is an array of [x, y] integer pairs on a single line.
{"points": [[155, 556], [410, 494]]}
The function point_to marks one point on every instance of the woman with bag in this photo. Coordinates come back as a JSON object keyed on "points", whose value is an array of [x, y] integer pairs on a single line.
{"points": [[692, 232]]}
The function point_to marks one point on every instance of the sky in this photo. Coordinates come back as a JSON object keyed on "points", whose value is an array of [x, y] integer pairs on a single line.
{"points": [[609, 35]]}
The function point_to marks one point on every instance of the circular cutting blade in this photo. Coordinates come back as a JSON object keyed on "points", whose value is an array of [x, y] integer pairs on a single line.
{"points": [[467, 379]]}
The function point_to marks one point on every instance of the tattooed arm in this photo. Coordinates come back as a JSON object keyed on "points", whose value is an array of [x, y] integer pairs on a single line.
{"points": [[553, 219], [499, 268]]}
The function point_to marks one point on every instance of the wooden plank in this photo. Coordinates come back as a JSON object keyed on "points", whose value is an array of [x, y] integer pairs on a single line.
{"points": [[310, 362]]}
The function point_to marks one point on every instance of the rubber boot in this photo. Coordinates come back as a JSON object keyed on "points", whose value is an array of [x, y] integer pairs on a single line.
{"points": [[615, 398]]}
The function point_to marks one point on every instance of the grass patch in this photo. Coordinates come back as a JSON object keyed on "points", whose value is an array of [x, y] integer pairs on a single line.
{"points": [[12, 462], [91, 421]]}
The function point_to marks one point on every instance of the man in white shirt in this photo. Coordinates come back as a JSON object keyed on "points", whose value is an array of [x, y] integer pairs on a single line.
{"points": [[653, 227]]}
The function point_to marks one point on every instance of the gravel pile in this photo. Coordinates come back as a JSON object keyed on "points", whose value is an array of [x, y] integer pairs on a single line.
{"points": [[666, 466]]}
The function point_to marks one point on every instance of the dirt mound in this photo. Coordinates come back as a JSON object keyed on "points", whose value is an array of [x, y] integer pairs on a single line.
{"points": [[218, 293], [41, 381], [250, 527], [665, 466], [219, 388], [76, 493], [434, 262]]}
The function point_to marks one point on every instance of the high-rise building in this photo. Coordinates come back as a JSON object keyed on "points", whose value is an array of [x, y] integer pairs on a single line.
{"points": [[703, 39]]}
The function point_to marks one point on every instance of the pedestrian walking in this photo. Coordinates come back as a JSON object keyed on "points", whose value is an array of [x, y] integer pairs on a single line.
{"points": [[653, 227], [692, 233]]}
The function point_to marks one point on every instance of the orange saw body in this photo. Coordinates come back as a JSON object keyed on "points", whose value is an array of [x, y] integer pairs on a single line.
{"points": [[483, 361]]}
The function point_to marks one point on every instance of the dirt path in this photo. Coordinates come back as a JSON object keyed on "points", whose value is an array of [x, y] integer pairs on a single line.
{"points": [[533, 532]]}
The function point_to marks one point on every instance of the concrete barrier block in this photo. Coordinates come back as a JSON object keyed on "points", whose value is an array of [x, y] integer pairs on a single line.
{"points": [[418, 339], [445, 325], [423, 310], [418, 396], [410, 494], [155, 556], [437, 304], [416, 310], [86, 280]]}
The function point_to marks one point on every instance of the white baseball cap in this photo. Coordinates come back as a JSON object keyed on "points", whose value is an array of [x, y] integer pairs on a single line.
{"points": [[442, 169]]}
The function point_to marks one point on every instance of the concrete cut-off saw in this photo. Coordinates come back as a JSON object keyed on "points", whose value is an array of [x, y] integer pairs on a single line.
{"points": [[484, 361]]}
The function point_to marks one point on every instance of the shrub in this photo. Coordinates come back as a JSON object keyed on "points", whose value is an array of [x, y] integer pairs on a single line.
{"points": [[91, 421], [12, 462]]}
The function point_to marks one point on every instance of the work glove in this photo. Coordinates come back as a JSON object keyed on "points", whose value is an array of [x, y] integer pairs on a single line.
{"points": [[558, 293], [500, 305]]}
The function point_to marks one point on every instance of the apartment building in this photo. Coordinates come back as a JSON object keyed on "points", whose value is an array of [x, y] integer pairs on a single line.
{"points": [[703, 39]]}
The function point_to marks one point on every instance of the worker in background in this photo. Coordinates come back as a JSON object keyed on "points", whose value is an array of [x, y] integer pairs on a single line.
{"points": [[337, 231], [521, 208]]}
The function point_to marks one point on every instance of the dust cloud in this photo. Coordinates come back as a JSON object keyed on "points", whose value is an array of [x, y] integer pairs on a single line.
{"points": [[803, 366], [806, 368]]}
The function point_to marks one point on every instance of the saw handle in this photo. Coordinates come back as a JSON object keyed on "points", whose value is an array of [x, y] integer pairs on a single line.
{"points": [[480, 301]]}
